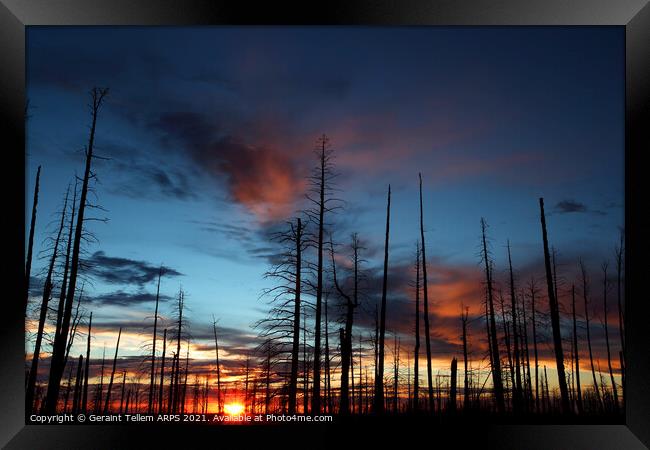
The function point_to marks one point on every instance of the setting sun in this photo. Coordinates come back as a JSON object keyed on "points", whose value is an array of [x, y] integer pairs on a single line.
{"points": [[233, 409]]}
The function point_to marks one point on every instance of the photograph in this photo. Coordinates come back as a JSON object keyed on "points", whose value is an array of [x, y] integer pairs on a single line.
{"points": [[245, 225]]}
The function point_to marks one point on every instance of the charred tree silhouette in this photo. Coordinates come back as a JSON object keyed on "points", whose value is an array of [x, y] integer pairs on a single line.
{"points": [[425, 287], [528, 391], [379, 381], [416, 354], [466, 394], [619, 275], [350, 304], [451, 406], [555, 316], [77, 386], [186, 373], [87, 370], [58, 354], [110, 383], [621, 317], [30, 242], [175, 385], [517, 396], [47, 292], [328, 373], [297, 233], [216, 350], [66, 266], [162, 373], [153, 344], [320, 198], [100, 387], [494, 343], [506, 338], [532, 289], [122, 391], [605, 326], [576, 352], [585, 291]]}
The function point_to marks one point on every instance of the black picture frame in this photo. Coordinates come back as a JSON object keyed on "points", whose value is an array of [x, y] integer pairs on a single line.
{"points": [[15, 15]]}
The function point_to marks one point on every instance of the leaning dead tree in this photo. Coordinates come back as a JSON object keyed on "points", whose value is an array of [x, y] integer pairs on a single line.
{"points": [[495, 362], [425, 288], [60, 340], [379, 378], [47, 292], [555, 316]]}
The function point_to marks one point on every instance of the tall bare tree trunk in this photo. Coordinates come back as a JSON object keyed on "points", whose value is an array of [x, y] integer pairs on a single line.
{"points": [[216, 350], [107, 404], [153, 345], [576, 352], [295, 348], [66, 266], [621, 314], [517, 398], [496, 359], [100, 388], [532, 290], [585, 291], [162, 373], [425, 287], [605, 326], [58, 354], [328, 375], [416, 354], [316, 397], [555, 317], [87, 370], [30, 242], [379, 381], [506, 336], [528, 390], [176, 366], [77, 386], [47, 292]]}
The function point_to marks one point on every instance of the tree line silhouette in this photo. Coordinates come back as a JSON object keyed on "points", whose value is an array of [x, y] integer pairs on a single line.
{"points": [[301, 364]]}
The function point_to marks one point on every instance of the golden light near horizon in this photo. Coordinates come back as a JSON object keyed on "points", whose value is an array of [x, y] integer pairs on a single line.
{"points": [[233, 409]]}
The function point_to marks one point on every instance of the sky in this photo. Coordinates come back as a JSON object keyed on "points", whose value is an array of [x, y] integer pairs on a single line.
{"points": [[209, 135]]}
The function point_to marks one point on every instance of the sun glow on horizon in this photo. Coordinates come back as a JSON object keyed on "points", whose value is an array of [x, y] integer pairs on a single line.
{"points": [[233, 409]]}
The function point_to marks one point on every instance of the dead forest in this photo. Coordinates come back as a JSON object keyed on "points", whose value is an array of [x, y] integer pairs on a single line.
{"points": [[327, 346]]}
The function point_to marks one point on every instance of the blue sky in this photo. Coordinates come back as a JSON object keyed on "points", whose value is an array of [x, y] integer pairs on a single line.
{"points": [[210, 133]]}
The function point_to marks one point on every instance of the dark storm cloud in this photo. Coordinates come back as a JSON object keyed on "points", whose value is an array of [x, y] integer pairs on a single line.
{"points": [[121, 298], [116, 270], [261, 177], [572, 206]]}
